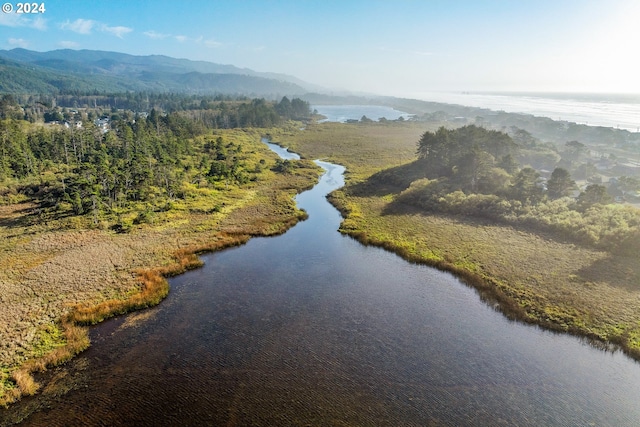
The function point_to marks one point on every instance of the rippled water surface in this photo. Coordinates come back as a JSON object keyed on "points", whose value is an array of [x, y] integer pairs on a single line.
{"points": [[312, 328]]}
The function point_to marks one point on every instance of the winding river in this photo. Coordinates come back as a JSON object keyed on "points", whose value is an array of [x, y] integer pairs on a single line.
{"points": [[312, 328]]}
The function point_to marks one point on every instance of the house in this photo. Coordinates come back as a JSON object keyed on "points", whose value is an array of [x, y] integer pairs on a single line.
{"points": [[103, 124], [77, 124]]}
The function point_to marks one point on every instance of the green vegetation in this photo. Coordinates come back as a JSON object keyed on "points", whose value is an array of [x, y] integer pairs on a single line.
{"points": [[568, 264], [144, 165], [467, 180], [91, 222]]}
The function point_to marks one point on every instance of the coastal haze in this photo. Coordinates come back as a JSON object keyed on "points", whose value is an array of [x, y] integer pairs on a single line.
{"points": [[593, 109], [399, 48], [495, 141]]}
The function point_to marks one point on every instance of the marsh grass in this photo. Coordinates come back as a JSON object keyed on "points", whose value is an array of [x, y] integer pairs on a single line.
{"points": [[82, 276], [532, 277]]}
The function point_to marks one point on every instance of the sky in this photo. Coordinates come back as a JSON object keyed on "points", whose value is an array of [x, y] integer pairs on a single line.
{"points": [[390, 47]]}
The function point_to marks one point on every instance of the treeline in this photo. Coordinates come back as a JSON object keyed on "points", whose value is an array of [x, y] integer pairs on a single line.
{"points": [[257, 113], [236, 109], [140, 161], [471, 171]]}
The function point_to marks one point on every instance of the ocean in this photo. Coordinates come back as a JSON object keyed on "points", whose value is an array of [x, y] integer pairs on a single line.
{"points": [[620, 111]]}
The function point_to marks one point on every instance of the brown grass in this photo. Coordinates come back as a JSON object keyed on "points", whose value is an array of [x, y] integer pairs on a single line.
{"points": [[56, 280], [531, 277]]}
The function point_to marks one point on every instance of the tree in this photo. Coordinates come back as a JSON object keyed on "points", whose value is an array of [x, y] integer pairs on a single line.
{"points": [[526, 187], [495, 181], [446, 150], [472, 168], [574, 150], [592, 195], [509, 164], [560, 184], [629, 184], [522, 137], [435, 149], [284, 107]]}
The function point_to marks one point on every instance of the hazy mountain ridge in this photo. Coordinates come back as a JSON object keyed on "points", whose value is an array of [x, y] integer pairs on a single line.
{"points": [[25, 71]]}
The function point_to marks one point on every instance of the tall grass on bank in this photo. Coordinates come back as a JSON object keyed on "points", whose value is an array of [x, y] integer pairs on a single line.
{"points": [[153, 289], [210, 216], [534, 277], [495, 260], [492, 291]]}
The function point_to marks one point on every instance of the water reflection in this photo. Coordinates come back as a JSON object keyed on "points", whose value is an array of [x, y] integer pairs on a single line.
{"points": [[312, 328]]}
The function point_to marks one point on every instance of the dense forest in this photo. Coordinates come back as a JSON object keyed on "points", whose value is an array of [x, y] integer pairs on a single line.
{"points": [[473, 171], [88, 163]]}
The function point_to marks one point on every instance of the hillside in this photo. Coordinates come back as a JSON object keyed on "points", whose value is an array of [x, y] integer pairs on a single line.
{"points": [[24, 71]]}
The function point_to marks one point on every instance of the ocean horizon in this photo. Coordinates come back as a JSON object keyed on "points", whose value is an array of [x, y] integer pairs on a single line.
{"points": [[620, 111]]}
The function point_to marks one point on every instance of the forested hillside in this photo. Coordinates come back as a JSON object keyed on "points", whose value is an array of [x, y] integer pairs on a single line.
{"points": [[106, 168], [62, 71]]}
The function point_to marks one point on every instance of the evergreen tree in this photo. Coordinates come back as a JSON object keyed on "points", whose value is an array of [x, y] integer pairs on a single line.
{"points": [[560, 184], [526, 187]]}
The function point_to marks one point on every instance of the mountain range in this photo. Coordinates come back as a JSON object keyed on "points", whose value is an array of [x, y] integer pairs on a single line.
{"points": [[24, 71]]}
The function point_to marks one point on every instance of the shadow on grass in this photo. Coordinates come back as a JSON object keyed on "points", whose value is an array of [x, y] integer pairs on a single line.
{"points": [[389, 181], [29, 214], [21, 215], [617, 270]]}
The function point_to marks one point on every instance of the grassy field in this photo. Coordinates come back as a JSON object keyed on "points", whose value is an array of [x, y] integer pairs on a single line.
{"points": [[59, 275], [531, 277]]}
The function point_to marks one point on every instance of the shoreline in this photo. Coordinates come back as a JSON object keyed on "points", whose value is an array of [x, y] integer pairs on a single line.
{"points": [[489, 290], [556, 285], [154, 288], [267, 210]]}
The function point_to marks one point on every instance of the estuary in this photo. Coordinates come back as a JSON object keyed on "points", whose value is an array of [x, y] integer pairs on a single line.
{"points": [[313, 328]]}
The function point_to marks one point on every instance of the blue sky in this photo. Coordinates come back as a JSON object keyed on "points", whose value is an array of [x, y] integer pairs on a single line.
{"points": [[391, 47]]}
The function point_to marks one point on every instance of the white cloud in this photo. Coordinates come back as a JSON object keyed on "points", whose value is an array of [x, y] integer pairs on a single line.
{"points": [[11, 20], [87, 26], [68, 44], [198, 40], [18, 42], [116, 31], [80, 26], [155, 35], [19, 20]]}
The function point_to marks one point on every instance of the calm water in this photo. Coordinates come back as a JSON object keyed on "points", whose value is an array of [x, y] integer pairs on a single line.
{"points": [[342, 113], [312, 328]]}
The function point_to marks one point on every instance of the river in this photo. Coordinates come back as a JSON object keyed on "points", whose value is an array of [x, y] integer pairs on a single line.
{"points": [[312, 328]]}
